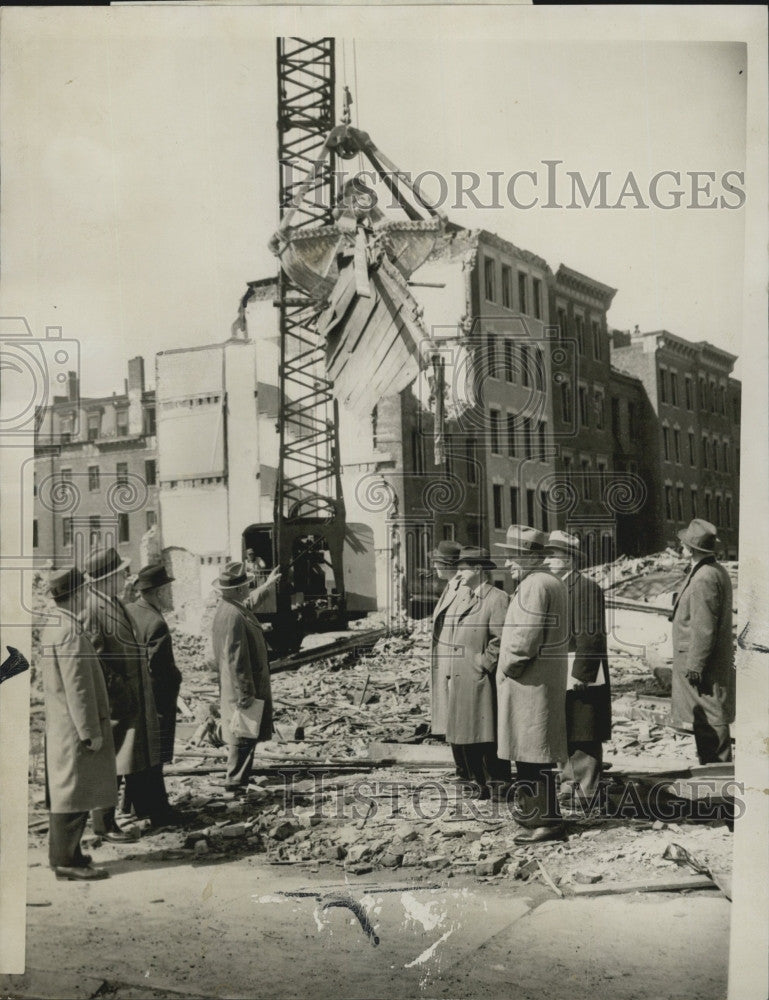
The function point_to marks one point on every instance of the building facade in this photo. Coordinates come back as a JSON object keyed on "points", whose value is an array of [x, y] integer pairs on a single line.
{"points": [[97, 482]]}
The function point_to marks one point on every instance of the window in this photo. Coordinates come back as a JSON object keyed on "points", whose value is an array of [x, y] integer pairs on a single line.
{"points": [[722, 400], [607, 549], [736, 410], [122, 473], [539, 369], [536, 296], [542, 442], [704, 452], [472, 466], [150, 472], [94, 425], [718, 512], [491, 355], [694, 501], [417, 452], [673, 389], [562, 327], [149, 421], [599, 410], [707, 506], [514, 505], [677, 445], [615, 417], [488, 278], [692, 460], [65, 475], [579, 324], [152, 519], [507, 286], [497, 496], [121, 423], [122, 528], [494, 416], [663, 385], [703, 392], [66, 525], [525, 371], [544, 510], [530, 508], [712, 395], [94, 529], [715, 455], [669, 503], [93, 478], [726, 456], [509, 361], [34, 534], [632, 419], [521, 292], [602, 477], [728, 512], [511, 435], [567, 413], [680, 502], [448, 532], [527, 437], [66, 425], [473, 531], [689, 392], [585, 479], [583, 414], [595, 330]]}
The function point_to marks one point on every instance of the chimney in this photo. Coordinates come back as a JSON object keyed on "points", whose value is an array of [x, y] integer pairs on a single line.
{"points": [[73, 387], [135, 389]]}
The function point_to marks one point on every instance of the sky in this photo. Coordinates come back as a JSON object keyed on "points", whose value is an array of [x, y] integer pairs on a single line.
{"points": [[138, 156]]}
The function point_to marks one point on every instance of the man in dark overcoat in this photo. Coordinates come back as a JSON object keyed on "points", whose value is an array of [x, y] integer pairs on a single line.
{"points": [[704, 679], [588, 690], [132, 706], [240, 653], [79, 752], [152, 633]]}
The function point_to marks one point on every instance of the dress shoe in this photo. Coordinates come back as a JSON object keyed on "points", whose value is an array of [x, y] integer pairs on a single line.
{"points": [[540, 835], [80, 873], [83, 860], [119, 836]]}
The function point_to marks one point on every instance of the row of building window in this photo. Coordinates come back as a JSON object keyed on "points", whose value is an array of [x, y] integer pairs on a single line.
{"points": [[94, 475], [710, 452], [580, 334], [586, 400], [95, 528], [712, 398], [598, 546], [536, 502], [720, 512], [526, 305], [522, 438], [93, 424], [519, 363]]}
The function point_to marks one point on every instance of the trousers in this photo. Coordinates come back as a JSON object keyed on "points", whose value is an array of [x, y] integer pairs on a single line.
{"points": [[145, 791], [479, 762], [584, 766], [64, 833], [714, 744], [536, 799], [239, 762]]}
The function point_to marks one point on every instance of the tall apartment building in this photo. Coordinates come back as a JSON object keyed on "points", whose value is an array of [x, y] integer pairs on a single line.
{"points": [[97, 482], [693, 429]]}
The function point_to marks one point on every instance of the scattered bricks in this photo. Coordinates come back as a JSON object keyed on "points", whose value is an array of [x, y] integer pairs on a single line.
{"points": [[659, 825], [492, 866], [585, 878], [525, 869], [308, 820], [193, 838], [436, 862], [282, 831], [391, 860], [201, 847], [234, 807], [405, 833], [360, 869], [358, 852]]}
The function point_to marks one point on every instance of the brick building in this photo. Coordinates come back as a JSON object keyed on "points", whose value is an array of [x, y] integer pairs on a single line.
{"points": [[98, 482]]}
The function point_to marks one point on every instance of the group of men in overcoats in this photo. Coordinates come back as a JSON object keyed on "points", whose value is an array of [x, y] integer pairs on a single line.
{"points": [[110, 687], [525, 678]]}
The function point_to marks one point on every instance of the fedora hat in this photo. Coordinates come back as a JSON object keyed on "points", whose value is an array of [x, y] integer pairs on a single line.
{"points": [[562, 541], [151, 577], [231, 576], [474, 556], [520, 538], [102, 563], [446, 554], [700, 535], [64, 582]]}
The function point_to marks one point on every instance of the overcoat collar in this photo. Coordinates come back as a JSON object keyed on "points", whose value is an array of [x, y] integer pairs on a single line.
{"points": [[705, 560]]}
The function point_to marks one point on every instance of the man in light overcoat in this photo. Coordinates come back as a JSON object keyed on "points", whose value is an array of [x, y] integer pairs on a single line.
{"points": [[704, 679], [240, 653], [531, 684], [79, 752], [471, 721], [444, 560], [588, 689]]}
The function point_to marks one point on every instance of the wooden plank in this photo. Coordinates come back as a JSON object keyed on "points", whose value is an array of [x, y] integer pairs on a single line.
{"points": [[412, 753], [683, 884]]}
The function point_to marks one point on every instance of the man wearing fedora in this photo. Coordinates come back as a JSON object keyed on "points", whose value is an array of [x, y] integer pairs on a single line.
{"points": [[471, 718], [79, 752], [444, 561], [531, 684], [132, 706], [152, 633], [588, 691], [704, 679], [240, 653]]}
